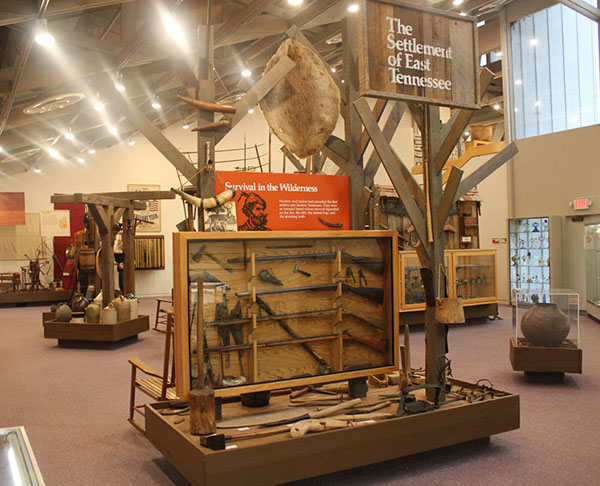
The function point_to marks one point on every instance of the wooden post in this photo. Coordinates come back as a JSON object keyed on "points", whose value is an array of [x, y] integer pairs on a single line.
{"points": [[203, 418], [107, 261], [129, 251], [352, 123]]}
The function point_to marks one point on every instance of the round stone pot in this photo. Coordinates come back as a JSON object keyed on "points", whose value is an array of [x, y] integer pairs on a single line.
{"points": [[109, 315], [545, 325], [123, 307], [63, 313], [79, 303], [92, 313]]}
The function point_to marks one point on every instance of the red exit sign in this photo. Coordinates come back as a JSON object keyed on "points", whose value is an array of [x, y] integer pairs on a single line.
{"points": [[582, 204]]}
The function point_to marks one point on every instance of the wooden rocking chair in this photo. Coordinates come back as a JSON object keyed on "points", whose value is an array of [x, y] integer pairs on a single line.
{"points": [[158, 386]]}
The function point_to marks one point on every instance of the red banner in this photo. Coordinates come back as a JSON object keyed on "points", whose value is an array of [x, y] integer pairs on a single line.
{"points": [[288, 202]]}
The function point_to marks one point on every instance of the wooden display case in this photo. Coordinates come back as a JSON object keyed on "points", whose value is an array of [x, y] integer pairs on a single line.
{"points": [[472, 276], [328, 313], [107, 333]]}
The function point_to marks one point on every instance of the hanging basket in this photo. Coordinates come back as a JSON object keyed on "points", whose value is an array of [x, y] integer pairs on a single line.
{"points": [[449, 311]]}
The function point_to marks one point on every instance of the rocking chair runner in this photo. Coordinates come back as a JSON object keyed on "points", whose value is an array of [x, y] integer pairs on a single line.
{"points": [[158, 386]]}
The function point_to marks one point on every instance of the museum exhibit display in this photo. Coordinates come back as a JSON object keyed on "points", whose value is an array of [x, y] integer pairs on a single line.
{"points": [[592, 269], [535, 258], [277, 306], [18, 465], [472, 277], [546, 331]]}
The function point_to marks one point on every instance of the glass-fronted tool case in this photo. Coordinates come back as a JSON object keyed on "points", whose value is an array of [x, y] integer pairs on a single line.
{"points": [[471, 275], [534, 244], [546, 317], [272, 308], [592, 265]]}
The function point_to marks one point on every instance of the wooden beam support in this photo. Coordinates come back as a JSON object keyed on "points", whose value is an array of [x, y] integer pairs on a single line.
{"points": [[259, 91], [486, 169], [391, 166], [140, 195], [243, 16], [417, 114], [98, 199], [333, 149], [377, 113], [448, 197], [288, 153], [390, 127], [451, 134], [100, 217], [413, 185], [153, 134]]}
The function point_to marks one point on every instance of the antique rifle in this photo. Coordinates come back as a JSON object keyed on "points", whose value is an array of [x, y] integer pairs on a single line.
{"points": [[375, 265], [373, 294]]}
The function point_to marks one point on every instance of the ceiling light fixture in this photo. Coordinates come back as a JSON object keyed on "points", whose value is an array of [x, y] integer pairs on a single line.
{"points": [[92, 151], [112, 129], [250, 111], [131, 142], [353, 8], [295, 2], [186, 125], [1, 148], [481, 23], [43, 37], [119, 86], [173, 28], [69, 135], [98, 105], [54, 153], [246, 73], [457, 2], [333, 70], [155, 103], [463, 14], [81, 160], [497, 107], [36, 169], [467, 133]]}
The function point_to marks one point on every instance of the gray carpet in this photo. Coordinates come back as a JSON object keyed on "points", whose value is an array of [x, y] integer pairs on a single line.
{"points": [[73, 403]]}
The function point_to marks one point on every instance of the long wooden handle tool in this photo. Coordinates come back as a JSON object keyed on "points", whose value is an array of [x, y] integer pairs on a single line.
{"points": [[321, 413], [305, 426]]}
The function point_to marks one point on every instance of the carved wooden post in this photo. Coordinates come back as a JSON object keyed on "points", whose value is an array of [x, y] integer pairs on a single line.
{"points": [[129, 251]]}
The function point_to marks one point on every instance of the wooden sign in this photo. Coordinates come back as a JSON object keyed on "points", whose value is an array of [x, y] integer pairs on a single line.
{"points": [[415, 53]]}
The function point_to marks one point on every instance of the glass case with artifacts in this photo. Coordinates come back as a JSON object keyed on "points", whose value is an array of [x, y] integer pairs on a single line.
{"points": [[534, 247], [267, 308], [17, 461], [471, 276], [546, 331], [592, 265], [474, 275]]}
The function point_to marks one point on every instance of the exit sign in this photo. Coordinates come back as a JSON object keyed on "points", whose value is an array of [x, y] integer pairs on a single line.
{"points": [[582, 204]]}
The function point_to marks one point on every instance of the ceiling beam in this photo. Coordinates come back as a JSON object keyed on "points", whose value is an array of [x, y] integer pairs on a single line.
{"points": [[56, 8], [243, 16]]}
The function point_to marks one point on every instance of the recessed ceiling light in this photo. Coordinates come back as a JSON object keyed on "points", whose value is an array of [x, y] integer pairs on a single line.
{"points": [[333, 70], [295, 2], [186, 125], [497, 106], [250, 111], [246, 72], [99, 106], [69, 135], [119, 86], [54, 153], [131, 142], [81, 160], [36, 169], [155, 103], [43, 37], [91, 151], [353, 7]]}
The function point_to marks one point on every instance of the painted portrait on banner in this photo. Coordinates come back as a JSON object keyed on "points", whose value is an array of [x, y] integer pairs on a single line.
{"points": [[148, 220]]}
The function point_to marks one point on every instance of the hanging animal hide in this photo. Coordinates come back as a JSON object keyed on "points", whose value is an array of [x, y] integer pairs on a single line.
{"points": [[304, 107]]}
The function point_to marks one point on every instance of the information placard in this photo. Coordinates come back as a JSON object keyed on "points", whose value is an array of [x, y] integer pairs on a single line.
{"points": [[414, 53], [288, 202]]}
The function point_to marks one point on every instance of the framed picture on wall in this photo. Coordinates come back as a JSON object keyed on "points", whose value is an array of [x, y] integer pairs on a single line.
{"points": [[148, 220]]}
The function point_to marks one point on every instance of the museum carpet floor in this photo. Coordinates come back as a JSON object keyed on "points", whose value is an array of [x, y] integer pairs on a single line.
{"points": [[74, 405]]}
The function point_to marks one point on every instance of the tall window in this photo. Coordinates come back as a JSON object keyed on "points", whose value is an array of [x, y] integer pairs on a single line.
{"points": [[555, 71]]}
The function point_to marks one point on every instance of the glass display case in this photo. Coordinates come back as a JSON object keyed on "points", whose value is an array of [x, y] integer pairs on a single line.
{"points": [[546, 317], [267, 307], [471, 276], [17, 461], [592, 264], [533, 246]]}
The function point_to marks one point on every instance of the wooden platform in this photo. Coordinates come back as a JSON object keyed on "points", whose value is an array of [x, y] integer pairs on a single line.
{"points": [[34, 296], [541, 359], [96, 332], [279, 458], [478, 311]]}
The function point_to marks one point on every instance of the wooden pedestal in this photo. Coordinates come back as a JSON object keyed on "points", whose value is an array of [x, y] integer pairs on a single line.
{"points": [[96, 332], [279, 458], [478, 311], [34, 296], [545, 359]]}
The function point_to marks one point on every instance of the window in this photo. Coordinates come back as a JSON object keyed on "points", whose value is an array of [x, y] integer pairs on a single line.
{"points": [[555, 72]]}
